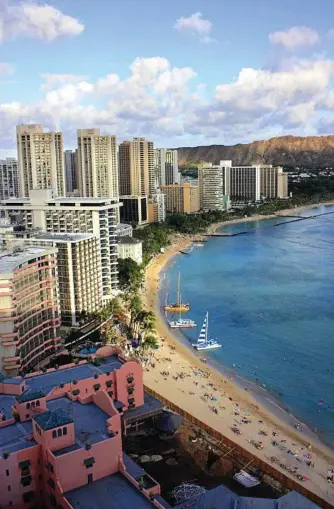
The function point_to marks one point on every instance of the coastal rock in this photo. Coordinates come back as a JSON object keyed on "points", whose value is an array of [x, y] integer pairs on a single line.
{"points": [[310, 151]]}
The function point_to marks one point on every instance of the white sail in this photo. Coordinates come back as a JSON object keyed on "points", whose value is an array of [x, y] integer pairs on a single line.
{"points": [[203, 335]]}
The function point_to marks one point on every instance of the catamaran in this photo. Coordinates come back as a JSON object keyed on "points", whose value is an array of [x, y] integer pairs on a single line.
{"points": [[203, 343], [179, 306]]}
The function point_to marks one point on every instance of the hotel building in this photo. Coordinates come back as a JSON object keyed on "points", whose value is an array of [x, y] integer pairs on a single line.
{"points": [[137, 173], [129, 247], [97, 216], [29, 308], [9, 186], [134, 210], [97, 164], [214, 186], [166, 163], [245, 184], [156, 208], [79, 273], [40, 159], [181, 198], [70, 160]]}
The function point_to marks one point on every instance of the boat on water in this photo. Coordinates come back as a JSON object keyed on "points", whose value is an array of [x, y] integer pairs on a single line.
{"points": [[178, 307], [203, 341], [182, 323]]}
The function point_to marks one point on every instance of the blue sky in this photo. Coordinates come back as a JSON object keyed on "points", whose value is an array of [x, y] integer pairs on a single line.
{"points": [[181, 72]]}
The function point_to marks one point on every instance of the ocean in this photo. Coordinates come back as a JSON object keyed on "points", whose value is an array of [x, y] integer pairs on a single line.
{"points": [[270, 298]]}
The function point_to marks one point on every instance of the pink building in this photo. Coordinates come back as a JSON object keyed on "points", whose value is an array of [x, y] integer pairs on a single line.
{"points": [[61, 437], [29, 310]]}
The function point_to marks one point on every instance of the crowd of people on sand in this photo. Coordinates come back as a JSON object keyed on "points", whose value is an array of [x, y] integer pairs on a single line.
{"points": [[294, 458]]}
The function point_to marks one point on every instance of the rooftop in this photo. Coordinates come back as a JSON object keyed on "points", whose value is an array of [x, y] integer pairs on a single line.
{"points": [[112, 492], [150, 406], [16, 437], [53, 418], [64, 237], [30, 395], [128, 240], [10, 260]]}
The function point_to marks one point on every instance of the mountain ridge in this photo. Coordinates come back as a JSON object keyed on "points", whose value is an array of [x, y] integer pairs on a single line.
{"points": [[280, 151]]}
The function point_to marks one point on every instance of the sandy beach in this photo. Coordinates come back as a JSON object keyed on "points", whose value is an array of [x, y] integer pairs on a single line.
{"points": [[178, 374]]}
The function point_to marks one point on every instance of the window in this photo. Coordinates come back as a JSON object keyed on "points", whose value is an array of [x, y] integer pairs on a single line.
{"points": [[7, 472], [130, 379], [54, 434], [38, 403], [28, 405], [59, 432], [65, 431], [9, 488], [51, 483]]}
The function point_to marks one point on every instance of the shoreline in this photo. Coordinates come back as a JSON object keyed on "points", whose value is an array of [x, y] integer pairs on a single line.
{"points": [[249, 396]]}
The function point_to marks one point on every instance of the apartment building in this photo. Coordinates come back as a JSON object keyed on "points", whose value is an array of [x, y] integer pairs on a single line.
{"points": [[40, 159], [129, 247], [97, 164], [134, 210], [282, 185], [156, 208], [97, 216], [273, 182], [79, 273], [137, 173], [245, 184], [29, 308], [166, 163], [214, 186], [70, 161], [181, 198], [9, 185]]}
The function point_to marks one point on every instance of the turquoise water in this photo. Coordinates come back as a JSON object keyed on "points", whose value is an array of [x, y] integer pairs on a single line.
{"points": [[270, 297]]}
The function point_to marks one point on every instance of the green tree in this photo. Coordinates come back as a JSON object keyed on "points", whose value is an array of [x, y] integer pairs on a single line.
{"points": [[130, 274]]}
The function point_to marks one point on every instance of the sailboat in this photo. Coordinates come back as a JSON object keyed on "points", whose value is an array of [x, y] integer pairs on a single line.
{"points": [[182, 323], [203, 343], [178, 306]]}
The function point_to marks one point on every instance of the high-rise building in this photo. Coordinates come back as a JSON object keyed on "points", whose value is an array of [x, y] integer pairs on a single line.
{"points": [[137, 173], [245, 184], [40, 159], [270, 181], [181, 198], [79, 272], [166, 163], [134, 210], [214, 186], [156, 208], [70, 160], [29, 316], [73, 215], [9, 186], [97, 164], [282, 185]]}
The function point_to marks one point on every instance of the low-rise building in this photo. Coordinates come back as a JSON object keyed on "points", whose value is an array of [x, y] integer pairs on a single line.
{"points": [[65, 445], [29, 308], [124, 230], [181, 198], [129, 247]]}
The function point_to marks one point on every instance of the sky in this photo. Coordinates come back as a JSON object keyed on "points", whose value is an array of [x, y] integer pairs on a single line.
{"points": [[179, 72]]}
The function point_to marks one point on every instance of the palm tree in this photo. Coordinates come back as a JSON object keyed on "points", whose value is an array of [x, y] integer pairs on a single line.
{"points": [[151, 341]]}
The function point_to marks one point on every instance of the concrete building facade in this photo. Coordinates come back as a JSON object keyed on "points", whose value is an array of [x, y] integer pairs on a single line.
{"points": [[214, 186], [137, 174], [282, 185], [29, 308], [79, 273], [156, 208], [245, 184], [122, 230], [40, 159], [70, 161], [9, 185], [73, 215], [181, 198], [97, 164], [129, 247], [166, 163]]}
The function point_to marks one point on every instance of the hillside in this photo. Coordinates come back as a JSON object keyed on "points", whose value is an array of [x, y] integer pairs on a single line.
{"points": [[311, 151]]}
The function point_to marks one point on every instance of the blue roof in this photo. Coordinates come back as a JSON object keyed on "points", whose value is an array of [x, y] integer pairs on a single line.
{"points": [[151, 404], [13, 381], [112, 492], [30, 395], [15, 437], [132, 468], [53, 419], [89, 420], [6, 403]]}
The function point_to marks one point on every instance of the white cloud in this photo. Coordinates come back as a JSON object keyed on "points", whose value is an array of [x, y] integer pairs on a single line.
{"points": [[196, 25], [164, 102], [40, 21], [6, 68], [295, 37]]}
